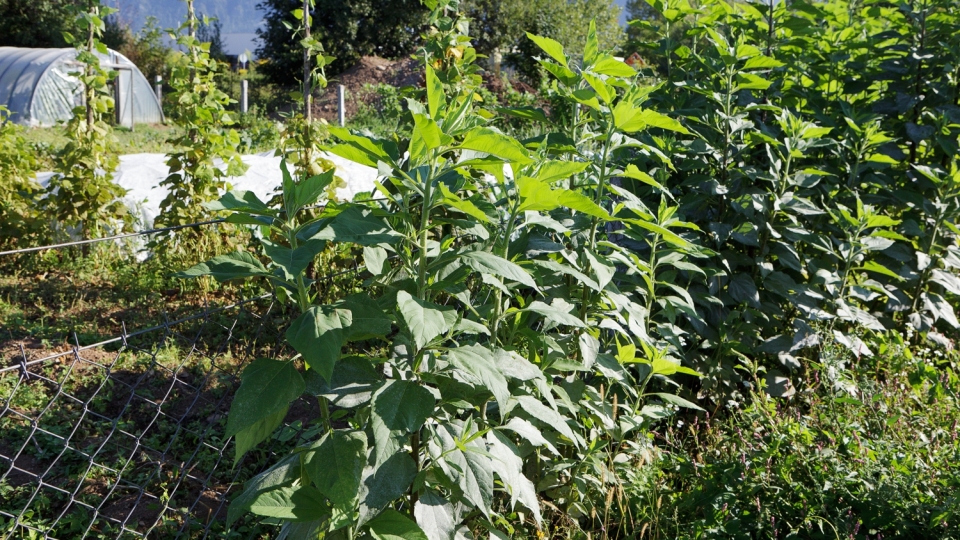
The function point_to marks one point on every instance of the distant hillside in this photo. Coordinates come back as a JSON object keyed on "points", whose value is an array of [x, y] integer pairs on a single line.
{"points": [[236, 16]]}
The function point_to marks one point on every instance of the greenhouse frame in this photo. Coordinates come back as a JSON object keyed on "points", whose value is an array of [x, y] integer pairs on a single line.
{"points": [[37, 87]]}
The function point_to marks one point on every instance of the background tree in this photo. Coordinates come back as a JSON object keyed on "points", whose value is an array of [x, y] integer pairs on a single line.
{"points": [[147, 50], [36, 23], [347, 29], [500, 27], [208, 31]]}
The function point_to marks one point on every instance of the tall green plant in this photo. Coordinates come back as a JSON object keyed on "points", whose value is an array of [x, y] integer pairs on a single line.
{"points": [[20, 211], [492, 359], [82, 194], [205, 139]]}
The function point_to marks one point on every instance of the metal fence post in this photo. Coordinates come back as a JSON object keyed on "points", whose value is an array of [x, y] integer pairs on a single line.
{"points": [[243, 96], [341, 109], [158, 88]]}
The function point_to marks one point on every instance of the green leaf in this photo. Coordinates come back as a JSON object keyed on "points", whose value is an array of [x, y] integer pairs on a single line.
{"points": [[336, 463], [233, 265], [592, 47], [488, 263], [436, 517], [873, 266], [251, 436], [392, 525], [317, 334], [527, 113], [633, 172], [467, 207], [293, 261], [657, 120], [303, 503], [496, 144], [309, 190], [551, 171], [435, 96], [358, 226], [508, 465], [466, 461], [581, 203], [241, 201], [608, 65], [763, 62], [547, 416], [426, 136], [382, 485], [374, 258], [366, 320], [266, 388], [352, 384], [282, 474], [425, 320], [551, 47], [402, 405], [677, 400], [479, 363], [536, 195], [554, 314]]}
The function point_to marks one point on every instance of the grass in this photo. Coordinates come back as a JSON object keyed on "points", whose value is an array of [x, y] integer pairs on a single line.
{"points": [[149, 138]]}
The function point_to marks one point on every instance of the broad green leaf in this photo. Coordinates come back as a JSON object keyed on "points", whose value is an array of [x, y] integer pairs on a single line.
{"points": [[282, 474], [628, 118], [392, 525], [530, 433], [554, 314], [527, 113], [425, 320], [488, 263], [592, 47], [309, 190], [743, 289], [657, 120], [426, 136], [357, 225], [602, 267], [467, 207], [608, 65], [536, 195], [551, 47], [873, 266], [249, 437], [302, 503], [317, 334], [496, 144], [382, 485], [763, 62], [366, 319], [508, 465], [551, 171], [403, 405], [581, 203], [374, 258], [241, 201], [352, 384], [749, 81], [633, 172], [666, 234], [336, 463], [293, 261], [435, 515], [604, 91], [435, 97], [677, 400], [466, 462], [547, 416], [479, 363], [233, 265], [266, 388], [940, 308]]}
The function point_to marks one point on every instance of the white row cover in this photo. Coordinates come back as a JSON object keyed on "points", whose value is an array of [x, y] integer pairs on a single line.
{"points": [[37, 87]]}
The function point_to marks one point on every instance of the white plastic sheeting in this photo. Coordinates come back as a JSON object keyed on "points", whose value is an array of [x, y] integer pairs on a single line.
{"points": [[141, 174], [38, 88]]}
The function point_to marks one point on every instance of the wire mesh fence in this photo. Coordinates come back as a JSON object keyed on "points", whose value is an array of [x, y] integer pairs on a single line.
{"points": [[123, 438]]}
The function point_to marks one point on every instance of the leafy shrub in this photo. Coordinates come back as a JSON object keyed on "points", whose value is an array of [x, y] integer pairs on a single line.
{"points": [[473, 349], [258, 132], [82, 195], [853, 455], [205, 137], [20, 218]]}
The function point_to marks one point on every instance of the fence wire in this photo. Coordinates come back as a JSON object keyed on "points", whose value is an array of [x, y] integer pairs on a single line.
{"points": [[124, 438]]}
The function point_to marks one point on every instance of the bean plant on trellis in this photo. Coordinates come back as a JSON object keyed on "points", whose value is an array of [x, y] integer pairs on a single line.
{"points": [[82, 194], [495, 355], [204, 139]]}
